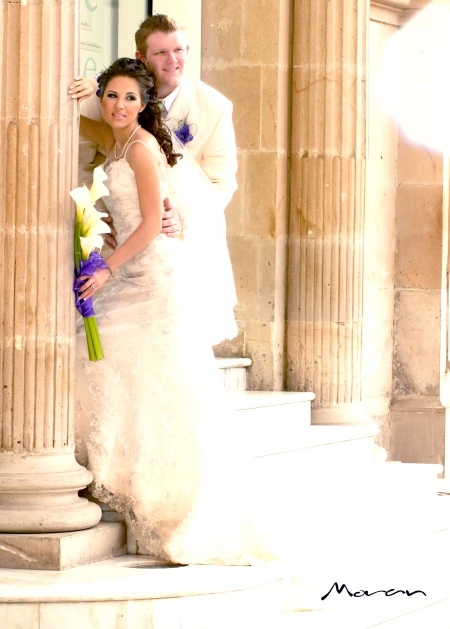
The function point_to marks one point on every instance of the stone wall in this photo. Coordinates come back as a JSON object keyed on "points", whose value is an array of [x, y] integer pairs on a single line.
{"points": [[245, 54], [403, 283], [379, 250], [417, 430], [381, 346]]}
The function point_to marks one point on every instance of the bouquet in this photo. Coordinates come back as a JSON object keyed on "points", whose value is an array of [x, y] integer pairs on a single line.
{"points": [[87, 240]]}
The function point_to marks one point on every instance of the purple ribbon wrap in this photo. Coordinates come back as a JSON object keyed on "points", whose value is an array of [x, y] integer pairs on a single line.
{"points": [[87, 267]]}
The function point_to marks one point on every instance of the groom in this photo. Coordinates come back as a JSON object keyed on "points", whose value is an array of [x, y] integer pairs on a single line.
{"points": [[199, 115]]}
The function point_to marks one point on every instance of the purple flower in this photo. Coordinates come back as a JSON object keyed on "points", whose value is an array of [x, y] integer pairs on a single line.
{"points": [[184, 134]]}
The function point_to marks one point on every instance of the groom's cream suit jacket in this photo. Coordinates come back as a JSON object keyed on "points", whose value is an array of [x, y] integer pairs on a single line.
{"points": [[209, 116]]}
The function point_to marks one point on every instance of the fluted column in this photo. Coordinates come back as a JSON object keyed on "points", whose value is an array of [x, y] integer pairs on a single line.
{"points": [[327, 206], [39, 477]]}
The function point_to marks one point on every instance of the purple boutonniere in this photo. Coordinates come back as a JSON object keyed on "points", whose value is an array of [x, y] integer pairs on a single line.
{"points": [[185, 131], [184, 134]]}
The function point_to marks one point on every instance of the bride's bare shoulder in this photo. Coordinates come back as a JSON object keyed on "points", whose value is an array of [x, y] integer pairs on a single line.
{"points": [[147, 140], [150, 140]]}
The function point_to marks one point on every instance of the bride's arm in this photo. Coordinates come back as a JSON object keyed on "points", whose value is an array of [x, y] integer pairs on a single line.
{"points": [[97, 131], [145, 167], [147, 175]]}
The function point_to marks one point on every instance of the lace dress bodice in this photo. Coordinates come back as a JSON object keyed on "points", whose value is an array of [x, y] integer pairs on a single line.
{"points": [[123, 206]]}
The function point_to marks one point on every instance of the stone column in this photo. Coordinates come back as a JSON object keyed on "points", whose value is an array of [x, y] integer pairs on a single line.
{"points": [[325, 262], [39, 477], [444, 393]]}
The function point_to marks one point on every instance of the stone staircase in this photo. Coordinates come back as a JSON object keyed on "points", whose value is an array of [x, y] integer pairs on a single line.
{"points": [[352, 513], [356, 520]]}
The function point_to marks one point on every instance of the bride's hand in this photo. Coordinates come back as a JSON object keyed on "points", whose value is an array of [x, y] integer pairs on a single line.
{"points": [[82, 88], [92, 283]]}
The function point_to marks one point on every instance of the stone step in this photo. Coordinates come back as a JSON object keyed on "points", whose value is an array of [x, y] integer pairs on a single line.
{"points": [[336, 490], [367, 510], [234, 372], [321, 462], [261, 400], [357, 518], [343, 446], [411, 561], [139, 591], [61, 551], [278, 422], [350, 544], [134, 592], [270, 421]]}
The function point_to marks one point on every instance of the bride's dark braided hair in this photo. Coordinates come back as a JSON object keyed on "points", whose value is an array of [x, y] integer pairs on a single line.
{"points": [[151, 117]]}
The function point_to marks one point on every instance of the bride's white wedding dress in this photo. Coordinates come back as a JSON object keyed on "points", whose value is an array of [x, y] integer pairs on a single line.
{"points": [[151, 417]]}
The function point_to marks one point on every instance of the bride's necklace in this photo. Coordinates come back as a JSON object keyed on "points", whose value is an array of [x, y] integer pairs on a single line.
{"points": [[125, 145]]}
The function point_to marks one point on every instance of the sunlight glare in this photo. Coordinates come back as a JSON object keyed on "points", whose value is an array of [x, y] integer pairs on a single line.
{"points": [[414, 82]]}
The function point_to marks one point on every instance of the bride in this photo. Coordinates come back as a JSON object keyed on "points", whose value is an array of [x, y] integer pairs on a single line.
{"points": [[151, 417]]}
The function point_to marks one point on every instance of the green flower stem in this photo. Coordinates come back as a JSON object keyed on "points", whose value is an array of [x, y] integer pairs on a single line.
{"points": [[91, 350], [94, 345], [77, 245], [96, 339]]}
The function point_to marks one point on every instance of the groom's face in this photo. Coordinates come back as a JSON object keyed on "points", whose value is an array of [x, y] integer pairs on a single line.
{"points": [[166, 57]]}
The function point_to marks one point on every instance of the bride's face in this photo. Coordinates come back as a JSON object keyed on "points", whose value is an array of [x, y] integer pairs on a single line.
{"points": [[121, 101]]}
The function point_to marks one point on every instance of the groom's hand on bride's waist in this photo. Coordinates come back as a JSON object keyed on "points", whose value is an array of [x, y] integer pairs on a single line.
{"points": [[109, 238], [172, 224]]}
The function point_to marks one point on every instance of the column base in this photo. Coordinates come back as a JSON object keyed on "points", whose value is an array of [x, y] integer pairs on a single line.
{"points": [[39, 493], [59, 551], [341, 414]]}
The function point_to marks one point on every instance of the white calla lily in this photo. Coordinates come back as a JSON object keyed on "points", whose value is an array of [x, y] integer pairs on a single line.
{"points": [[92, 222], [82, 198], [98, 188], [89, 244]]}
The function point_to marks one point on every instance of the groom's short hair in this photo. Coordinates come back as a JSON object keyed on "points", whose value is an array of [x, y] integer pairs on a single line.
{"points": [[152, 24]]}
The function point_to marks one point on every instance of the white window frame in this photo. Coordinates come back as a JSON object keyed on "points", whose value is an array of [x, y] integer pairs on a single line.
{"points": [[130, 15]]}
